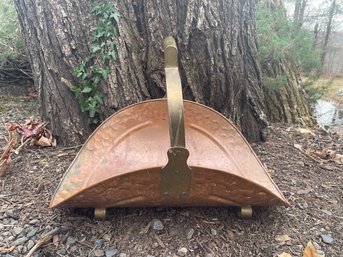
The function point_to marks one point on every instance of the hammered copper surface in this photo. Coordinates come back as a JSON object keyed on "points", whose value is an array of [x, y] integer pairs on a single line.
{"points": [[120, 164]]}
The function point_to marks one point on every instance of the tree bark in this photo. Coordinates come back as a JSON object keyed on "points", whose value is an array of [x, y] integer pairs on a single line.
{"points": [[286, 100], [216, 41], [288, 103]]}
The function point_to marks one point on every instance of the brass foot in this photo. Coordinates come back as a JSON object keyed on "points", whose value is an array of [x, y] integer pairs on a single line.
{"points": [[100, 213], [245, 212]]}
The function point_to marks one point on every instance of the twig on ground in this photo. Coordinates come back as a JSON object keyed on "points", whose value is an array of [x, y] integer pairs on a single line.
{"points": [[48, 236]]}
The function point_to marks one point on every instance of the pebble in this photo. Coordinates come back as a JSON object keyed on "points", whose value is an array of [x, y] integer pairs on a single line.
{"points": [[122, 255], [327, 239], [10, 213], [190, 234], [32, 232], [214, 232], [20, 248], [98, 242], [34, 222], [18, 230], [98, 253], [150, 255], [20, 241], [71, 241], [2, 227], [182, 251], [62, 252], [111, 252], [30, 244], [209, 255], [156, 224]]}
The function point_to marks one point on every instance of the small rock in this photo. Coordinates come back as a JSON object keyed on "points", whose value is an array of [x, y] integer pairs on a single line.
{"points": [[34, 222], [182, 251], [14, 222], [156, 224], [150, 255], [107, 237], [62, 251], [214, 232], [154, 245], [32, 232], [30, 244], [20, 241], [18, 230], [98, 242], [71, 241], [190, 234], [327, 239], [20, 248], [6, 234], [111, 252], [209, 255], [122, 255], [10, 213], [98, 253], [73, 248]]}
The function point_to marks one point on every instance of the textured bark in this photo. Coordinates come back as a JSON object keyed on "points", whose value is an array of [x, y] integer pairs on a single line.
{"points": [[288, 103], [216, 41]]}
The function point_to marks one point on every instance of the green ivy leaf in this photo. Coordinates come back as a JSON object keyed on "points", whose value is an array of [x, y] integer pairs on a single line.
{"points": [[95, 48], [115, 15], [87, 90], [104, 72]]}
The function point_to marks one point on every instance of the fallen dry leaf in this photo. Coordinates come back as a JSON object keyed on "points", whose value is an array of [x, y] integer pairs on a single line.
{"points": [[310, 251], [338, 158], [285, 255], [305, 131], [283, 238], [5, 166], [325, 154]]}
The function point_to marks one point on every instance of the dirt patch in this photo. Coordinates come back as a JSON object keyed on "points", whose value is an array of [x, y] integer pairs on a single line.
{"points": [[314, 190]]}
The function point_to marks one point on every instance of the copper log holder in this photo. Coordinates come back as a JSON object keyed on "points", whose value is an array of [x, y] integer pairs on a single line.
{"points": [[127, 160]]}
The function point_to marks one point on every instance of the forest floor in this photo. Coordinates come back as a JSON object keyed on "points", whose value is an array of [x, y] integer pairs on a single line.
{"points": [[314, 190]]}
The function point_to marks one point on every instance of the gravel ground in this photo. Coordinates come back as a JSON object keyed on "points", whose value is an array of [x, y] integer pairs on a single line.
{"points": [[314, 190]]}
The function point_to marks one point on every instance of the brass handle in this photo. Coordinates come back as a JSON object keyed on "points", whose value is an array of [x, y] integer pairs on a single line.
{"points": [[176, 175], [174, 95]]}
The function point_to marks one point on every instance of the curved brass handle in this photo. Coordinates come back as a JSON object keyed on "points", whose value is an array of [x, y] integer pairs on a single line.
{"points": [[176, 175], [174, 94]]}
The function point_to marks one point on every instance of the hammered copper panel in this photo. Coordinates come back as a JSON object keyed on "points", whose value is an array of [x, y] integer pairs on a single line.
{"points": [[120, 164]]}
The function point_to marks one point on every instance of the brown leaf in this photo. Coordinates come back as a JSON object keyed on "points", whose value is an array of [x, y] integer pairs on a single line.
{"points": [[305, 131], [338, 158], [42, 141], [310, 251], [5, 165], [282, 238], [285, 255]]}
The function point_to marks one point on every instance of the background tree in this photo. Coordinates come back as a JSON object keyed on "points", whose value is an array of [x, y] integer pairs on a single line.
{"points": [[218, 57], [285, 50], [14, 64]]}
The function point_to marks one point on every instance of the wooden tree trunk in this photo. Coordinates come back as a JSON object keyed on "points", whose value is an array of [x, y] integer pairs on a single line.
{"points": [[216, 41], [288, 102]]}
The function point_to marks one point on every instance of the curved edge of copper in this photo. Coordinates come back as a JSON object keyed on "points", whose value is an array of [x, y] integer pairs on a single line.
{"points": [[282, 199], [206, 190]]}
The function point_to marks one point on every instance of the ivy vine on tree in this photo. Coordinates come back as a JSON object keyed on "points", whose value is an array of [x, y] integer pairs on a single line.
{"points": [[95, 68]]}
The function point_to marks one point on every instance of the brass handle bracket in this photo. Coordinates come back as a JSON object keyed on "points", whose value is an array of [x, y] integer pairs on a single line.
{"points": [[176, 175]]}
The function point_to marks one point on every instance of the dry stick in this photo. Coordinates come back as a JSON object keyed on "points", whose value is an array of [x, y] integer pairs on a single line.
{"points": [[308, 155], [48, 236]]}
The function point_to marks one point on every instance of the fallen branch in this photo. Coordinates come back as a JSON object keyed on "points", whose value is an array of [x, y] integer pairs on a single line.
{"points": [[47, 237]]}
